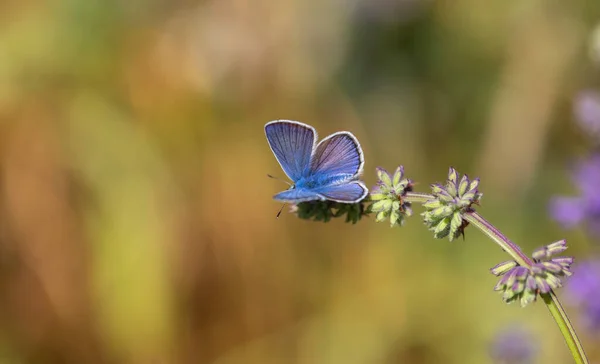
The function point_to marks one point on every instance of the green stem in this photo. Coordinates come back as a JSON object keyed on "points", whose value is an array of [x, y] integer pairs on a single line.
{"points": [[418, 197], [550, 299], [508, 246], [565, 326]]}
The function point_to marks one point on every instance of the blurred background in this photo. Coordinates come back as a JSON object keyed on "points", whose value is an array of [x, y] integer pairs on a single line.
{"points": [[137, 223]]}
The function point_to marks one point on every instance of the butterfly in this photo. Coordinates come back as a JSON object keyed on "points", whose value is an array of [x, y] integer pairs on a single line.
{"points": [[328, 170]]}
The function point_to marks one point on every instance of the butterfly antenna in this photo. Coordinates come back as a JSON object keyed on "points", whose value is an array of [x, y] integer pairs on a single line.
{"points": [[279, 179], [281, 209]]}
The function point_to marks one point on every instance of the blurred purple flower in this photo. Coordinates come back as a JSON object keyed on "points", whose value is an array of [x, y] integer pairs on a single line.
{"points": [[587, 112], [585, 208], [583, 290], [513, 345]]}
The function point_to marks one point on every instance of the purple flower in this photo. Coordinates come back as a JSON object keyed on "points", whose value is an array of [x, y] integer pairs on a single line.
{"points": [[583, 290], [513, 345], [524, 284], [585, 208], [587, 112]]}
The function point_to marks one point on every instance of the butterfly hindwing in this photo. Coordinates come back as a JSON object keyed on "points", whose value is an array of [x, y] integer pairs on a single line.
{"points": [[297, 195], [348, 192], [292, 143]]}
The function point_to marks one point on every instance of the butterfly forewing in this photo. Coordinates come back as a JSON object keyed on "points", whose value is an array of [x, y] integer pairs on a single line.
{"points": [[338, 154], [292, 143]]}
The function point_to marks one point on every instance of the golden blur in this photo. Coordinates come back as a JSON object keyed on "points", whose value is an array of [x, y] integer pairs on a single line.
{"points": [[136, 219]]}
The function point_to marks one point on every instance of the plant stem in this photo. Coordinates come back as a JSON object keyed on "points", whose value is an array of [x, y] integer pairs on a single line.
{"points": [[550, 299], [418, 197], [508, 246], [567, 330]]}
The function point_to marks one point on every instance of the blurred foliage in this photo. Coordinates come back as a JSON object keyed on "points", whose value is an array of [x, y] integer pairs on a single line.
{"points": [[136, 221]]}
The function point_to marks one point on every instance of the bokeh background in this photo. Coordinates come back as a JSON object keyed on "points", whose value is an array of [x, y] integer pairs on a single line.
{"points": [[136, 219]]}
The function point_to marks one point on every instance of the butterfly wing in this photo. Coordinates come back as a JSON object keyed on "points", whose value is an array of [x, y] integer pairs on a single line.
{"points": [[298, 195], [338, 154], [292, 143], [350, 192]]}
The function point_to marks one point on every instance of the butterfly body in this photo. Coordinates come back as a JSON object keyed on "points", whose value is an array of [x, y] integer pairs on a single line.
{"points": [[328, 170], [317, 180]]}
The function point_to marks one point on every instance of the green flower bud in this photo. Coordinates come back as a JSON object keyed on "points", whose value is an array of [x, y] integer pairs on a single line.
{"points": [[389, 197]]}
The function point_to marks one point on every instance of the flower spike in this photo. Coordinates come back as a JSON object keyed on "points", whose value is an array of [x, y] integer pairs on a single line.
{"points": [[518, 283], [388, 196], [326, 210], [444, 213]]}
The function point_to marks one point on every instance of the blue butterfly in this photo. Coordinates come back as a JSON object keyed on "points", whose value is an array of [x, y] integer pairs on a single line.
{"points": [[325, 171]]}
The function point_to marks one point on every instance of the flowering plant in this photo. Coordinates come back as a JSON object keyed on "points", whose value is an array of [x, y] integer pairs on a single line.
{"points": [[449, 210]]}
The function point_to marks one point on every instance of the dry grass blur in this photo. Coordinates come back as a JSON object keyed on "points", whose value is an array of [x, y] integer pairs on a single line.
{"points": [[136, 220]]}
